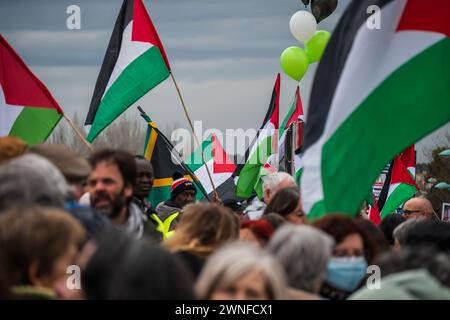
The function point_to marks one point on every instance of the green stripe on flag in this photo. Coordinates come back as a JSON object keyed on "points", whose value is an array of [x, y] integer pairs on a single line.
{"points": [[250, 173], [195, 160], [143, 74], [34, 125], [402, 101], [401, 193]]}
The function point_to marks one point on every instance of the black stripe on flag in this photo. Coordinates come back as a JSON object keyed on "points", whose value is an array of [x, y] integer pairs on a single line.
{"points": [[331, 66], [267, 118], [110, 59]]}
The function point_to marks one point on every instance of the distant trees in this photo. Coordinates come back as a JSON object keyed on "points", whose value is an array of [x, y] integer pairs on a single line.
{"points": [[125, 134]]}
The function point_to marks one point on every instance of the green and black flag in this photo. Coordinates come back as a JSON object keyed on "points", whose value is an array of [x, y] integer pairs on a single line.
{"points": [[165, 161]]}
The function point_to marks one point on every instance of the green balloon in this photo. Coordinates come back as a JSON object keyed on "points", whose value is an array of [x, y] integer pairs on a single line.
{"points": [[315, 47], [294, 62]]}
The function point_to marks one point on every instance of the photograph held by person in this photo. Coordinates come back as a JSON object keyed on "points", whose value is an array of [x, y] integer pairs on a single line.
{"points": [[202, 229], [286, 202], [111, 185], [272, 183], [241, 271], [303, 252], [37, 245], [354, 250]]}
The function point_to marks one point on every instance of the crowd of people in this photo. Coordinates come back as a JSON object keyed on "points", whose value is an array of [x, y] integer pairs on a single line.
{"points": [[62, 214]]}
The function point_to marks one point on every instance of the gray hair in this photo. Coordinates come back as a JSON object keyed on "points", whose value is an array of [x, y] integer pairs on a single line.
{"points": [[401, 231], [233, 261], [31, 179], [303, 251], [271, 181]]}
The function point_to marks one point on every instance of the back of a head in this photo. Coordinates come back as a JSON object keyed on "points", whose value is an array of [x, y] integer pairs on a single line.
{"points": [[207, 225], [412, 258], [275, 219], [235, 260], [11, 147], [111, 246], [400, 232], [389, 223], [430, 233], [149, 272], [271, 181], [72, 165], [29, 180], [285, 201], [36, 235], [303, 251], [375, 233]]}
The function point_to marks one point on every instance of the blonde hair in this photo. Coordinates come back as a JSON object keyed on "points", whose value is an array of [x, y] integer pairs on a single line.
{"points": [[203, 227], [235, 260]]}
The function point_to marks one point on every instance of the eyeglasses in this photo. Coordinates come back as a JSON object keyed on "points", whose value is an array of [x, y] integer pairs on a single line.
{"points": [[409, 212]]}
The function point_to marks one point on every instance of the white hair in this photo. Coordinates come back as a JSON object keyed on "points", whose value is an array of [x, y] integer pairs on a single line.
{"points": [[401, 231], [303, 251], [233, 261], [31, 179], [271, 181]]}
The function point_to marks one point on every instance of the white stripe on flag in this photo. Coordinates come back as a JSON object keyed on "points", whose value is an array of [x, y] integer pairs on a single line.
{"points": [[129, 51], [8, 115]]}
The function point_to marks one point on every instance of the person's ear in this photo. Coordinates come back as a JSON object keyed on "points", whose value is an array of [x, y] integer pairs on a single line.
{"points": [[33, 274], [128, 191]]}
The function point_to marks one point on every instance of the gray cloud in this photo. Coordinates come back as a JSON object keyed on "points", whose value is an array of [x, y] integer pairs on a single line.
{"points": [[224, 54]]}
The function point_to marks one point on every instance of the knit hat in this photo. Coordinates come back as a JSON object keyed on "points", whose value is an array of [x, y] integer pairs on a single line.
{"points": [[179, 185], [11, 147]]}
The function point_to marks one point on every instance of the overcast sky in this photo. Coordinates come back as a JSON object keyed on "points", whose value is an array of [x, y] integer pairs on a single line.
{"points": [[224, 55]]}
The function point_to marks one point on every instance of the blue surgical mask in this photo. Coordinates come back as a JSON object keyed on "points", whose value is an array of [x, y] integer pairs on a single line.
{"points": [[346, 273]]}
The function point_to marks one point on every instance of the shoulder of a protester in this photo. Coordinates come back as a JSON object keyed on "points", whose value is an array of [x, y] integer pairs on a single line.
{"points": [[297, 294], [408, 285]]}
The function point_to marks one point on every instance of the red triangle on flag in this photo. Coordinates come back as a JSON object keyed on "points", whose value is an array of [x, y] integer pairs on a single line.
{"points": [[400, 174], [221, 161], [144, 30], [374, 213], [408, 157]]}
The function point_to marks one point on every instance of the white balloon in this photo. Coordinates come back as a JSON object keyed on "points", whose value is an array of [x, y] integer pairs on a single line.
{"points": [[303, 25]]}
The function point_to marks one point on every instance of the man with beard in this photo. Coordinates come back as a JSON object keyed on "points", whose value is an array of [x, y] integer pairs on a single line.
{"points": [[111, 185]]}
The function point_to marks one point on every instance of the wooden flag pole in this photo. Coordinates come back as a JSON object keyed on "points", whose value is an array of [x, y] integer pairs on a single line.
{"points": [[82, 138], [216, 195]]}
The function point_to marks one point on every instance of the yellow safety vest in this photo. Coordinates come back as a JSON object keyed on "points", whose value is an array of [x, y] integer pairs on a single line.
{"points": [[164, 227]]}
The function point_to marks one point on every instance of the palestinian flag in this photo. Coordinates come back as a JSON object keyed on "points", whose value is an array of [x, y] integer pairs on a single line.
{"points": [[397, 77], [294, 115], [264, 146], [372, 211], [134, 63], [408, 158], [402, 187], [27, 109], [165, 161], [219, 164]]}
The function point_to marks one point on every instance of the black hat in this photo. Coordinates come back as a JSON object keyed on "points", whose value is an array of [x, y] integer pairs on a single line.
{"points": [[180, 184], [234, 204]]}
